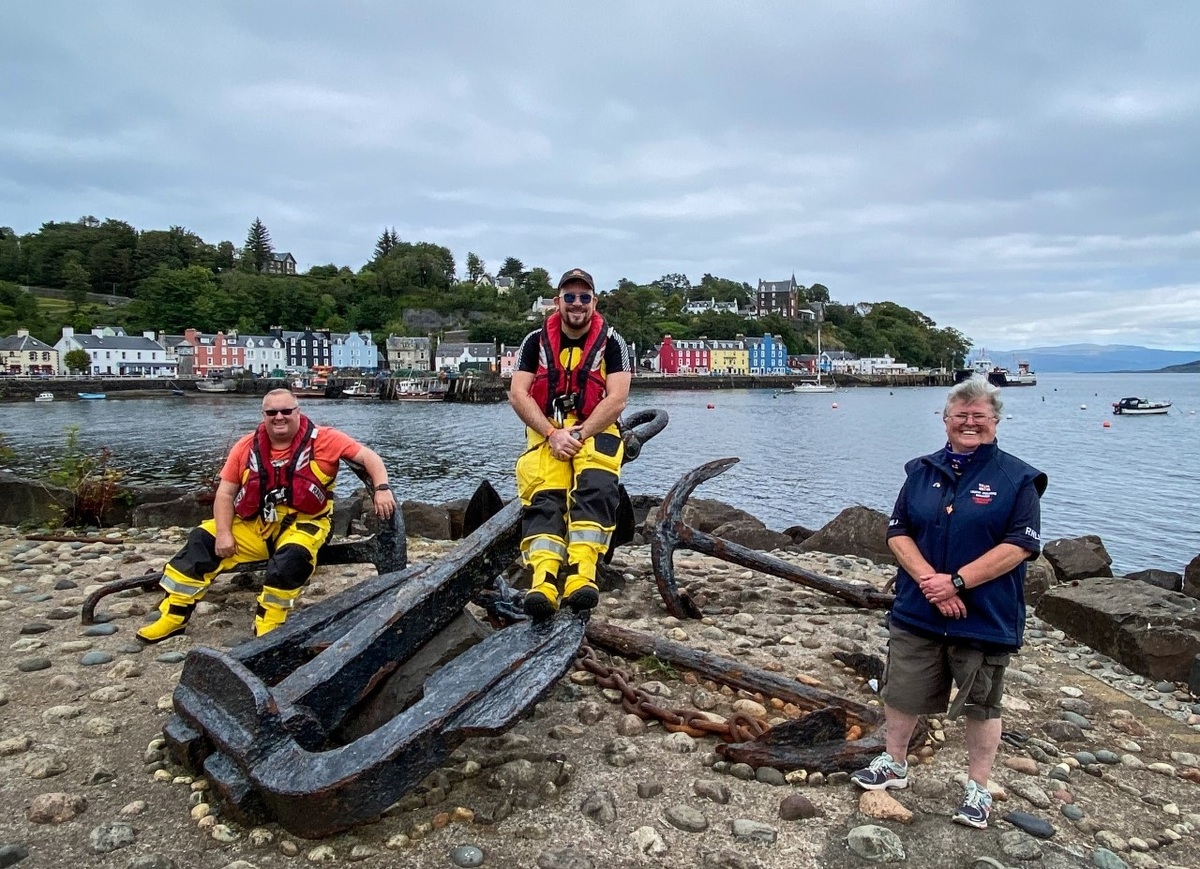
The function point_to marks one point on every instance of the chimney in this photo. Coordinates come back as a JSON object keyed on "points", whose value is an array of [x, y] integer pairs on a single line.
{"points": [[68, 332], [22, 333]]}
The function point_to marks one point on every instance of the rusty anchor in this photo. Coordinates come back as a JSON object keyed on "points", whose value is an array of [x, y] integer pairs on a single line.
{"points": [[321, 725], [667, 532], [387, 549]]}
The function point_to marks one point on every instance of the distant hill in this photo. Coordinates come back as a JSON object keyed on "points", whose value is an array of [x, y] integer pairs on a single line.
{"points": [[1085, 358]]}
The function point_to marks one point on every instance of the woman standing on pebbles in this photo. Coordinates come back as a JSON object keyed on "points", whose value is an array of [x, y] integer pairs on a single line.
{"points": [[967, 519]]}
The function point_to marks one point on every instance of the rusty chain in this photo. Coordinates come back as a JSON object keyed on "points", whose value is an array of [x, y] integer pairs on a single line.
{"points": [[738, 727]]}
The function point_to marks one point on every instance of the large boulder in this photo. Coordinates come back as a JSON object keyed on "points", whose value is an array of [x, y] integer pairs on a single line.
{"points": [[27, 502], [1078, 558], [858, 531], [1168, 579], [1191, 578], [1039, 578], [707, 516], [185, 511], [426, 520], [753, 534], [1150, 630]]}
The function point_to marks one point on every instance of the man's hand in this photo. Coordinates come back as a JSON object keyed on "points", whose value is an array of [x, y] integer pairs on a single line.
{"points": [[564, 443], [385, 504], [225, 545]]}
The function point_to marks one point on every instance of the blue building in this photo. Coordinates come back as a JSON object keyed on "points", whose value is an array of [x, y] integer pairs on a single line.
{"points": [[355, 350], [768, 355]]}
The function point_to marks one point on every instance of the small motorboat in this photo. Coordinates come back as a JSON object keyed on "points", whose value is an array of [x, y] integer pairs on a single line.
{"points": [[92, 396], [1134, 406], [360, 390], [44, 396]]}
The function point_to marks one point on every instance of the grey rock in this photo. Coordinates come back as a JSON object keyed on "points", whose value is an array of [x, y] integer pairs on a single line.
{"points": [[1019, 846], [95, 658], [600, 806], [1075, 558], [684, 817], [1031, 824], [1105, 756], [1076, 719], [107, 838], [1165, 579], [858, 531], [171, 657], [151, 861], [34, 628], [1072, 812], [1031, 792], [1151, 631], [711, 790], [875, 843], [100, 630], [466, 856], [754, 831], [12, 854], [1106, 859], [770, 776], [648, 790], [33, 665], [1063, 731], [567, 858], [1191, 578], [743, 771], [727, 858]]}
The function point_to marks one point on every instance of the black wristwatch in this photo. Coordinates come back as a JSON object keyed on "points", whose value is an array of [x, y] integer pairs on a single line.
{"points": [[383, 487], [958, 582]]}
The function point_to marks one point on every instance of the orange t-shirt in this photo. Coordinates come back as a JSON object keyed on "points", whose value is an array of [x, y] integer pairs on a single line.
{"points": [[329, 448]]}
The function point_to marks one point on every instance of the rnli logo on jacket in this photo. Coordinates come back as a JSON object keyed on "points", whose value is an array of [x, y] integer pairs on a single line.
{"points": [[982, 494]]}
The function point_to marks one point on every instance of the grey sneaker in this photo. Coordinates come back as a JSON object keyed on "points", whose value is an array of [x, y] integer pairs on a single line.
{"points": [[975, 808], [883, 773]]}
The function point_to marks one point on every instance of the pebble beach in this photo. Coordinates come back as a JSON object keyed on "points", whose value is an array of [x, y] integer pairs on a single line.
{"points": [[1102, 767]]}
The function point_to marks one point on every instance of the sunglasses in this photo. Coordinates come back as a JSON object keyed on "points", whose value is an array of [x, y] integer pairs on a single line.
{"points": [[584, 298], [286, 411]]}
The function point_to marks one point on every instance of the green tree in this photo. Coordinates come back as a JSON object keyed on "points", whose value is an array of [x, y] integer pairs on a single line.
{"points": [[386, 242], [258, 250], [513, 268], [77, 281], [537, 282], [77, 360], [223, 257], [475, 267]]}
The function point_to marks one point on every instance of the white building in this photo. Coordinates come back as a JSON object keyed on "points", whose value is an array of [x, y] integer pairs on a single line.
{"points": [[111, 351], [264, 354]]}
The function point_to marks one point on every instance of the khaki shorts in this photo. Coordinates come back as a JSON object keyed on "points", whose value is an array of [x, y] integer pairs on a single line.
{"points": [[919, 674]]}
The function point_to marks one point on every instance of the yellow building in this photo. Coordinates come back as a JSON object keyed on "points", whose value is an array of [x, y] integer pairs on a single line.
{"points": [[729, 357], [24, 354]]}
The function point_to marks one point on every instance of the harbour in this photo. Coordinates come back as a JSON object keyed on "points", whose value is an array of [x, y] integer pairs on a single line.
{"points": [[801, 460]]}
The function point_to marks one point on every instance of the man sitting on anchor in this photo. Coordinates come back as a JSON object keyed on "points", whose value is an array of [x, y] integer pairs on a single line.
{"points": [[570, 386], [274, 504]]}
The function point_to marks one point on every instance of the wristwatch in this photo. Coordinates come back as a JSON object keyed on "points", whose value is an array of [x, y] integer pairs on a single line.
{"points": [[958, 582], [383, 487]]}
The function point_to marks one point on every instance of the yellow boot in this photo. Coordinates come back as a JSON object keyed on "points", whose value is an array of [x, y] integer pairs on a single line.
{"points": [[580, 591], [541, 601], [175, 610], [274, 604]]}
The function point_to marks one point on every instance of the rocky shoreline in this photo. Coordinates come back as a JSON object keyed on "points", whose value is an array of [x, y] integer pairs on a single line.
{"points": [[1111, 759]]}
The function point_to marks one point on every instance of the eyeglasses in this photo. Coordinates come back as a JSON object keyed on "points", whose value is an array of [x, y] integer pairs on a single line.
{"points": [[584, 298], [286, 411], [970, 417]]}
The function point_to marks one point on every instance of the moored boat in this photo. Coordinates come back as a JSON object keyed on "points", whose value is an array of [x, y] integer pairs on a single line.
{"points": [[44, 396], [1134, 406], [217, 384], [428, 389], [982, 366], [815, 387], [92, 396], [360, 390]]}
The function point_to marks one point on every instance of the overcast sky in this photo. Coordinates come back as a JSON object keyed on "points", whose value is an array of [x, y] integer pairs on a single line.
{"points": [[1025, 171]]}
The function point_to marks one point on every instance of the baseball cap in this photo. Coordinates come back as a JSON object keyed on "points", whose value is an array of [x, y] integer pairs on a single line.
{"points": [[577, 275]]}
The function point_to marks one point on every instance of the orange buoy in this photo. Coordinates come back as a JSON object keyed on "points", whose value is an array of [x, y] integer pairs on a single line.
{"points": [[1107, 424], [834, 405], [711, 406]]}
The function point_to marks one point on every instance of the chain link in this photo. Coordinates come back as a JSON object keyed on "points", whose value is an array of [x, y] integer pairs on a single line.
{"points": [[738, 727]]}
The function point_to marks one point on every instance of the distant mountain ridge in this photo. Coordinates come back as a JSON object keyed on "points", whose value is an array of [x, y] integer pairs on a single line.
{"points": [[1094, 358]]}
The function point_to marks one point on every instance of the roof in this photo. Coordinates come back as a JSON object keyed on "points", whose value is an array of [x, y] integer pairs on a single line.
{"points": [[480, 350], [282, 257], [777, 286], [404, 342], [21, 343], [121, 342]]}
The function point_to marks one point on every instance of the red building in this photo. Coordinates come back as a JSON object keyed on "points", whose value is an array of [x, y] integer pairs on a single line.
{"points": [[215, 353], [683, 357]]}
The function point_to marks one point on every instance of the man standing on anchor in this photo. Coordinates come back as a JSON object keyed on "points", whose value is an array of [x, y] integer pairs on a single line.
{"points": [[569, 388]]}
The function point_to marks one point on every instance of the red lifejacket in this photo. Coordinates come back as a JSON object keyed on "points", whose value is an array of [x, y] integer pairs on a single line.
{"points": [[297, 483], [584, 382]]}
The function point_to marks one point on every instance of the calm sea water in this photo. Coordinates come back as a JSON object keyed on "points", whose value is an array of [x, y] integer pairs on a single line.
{"points": [[804, 458]]}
